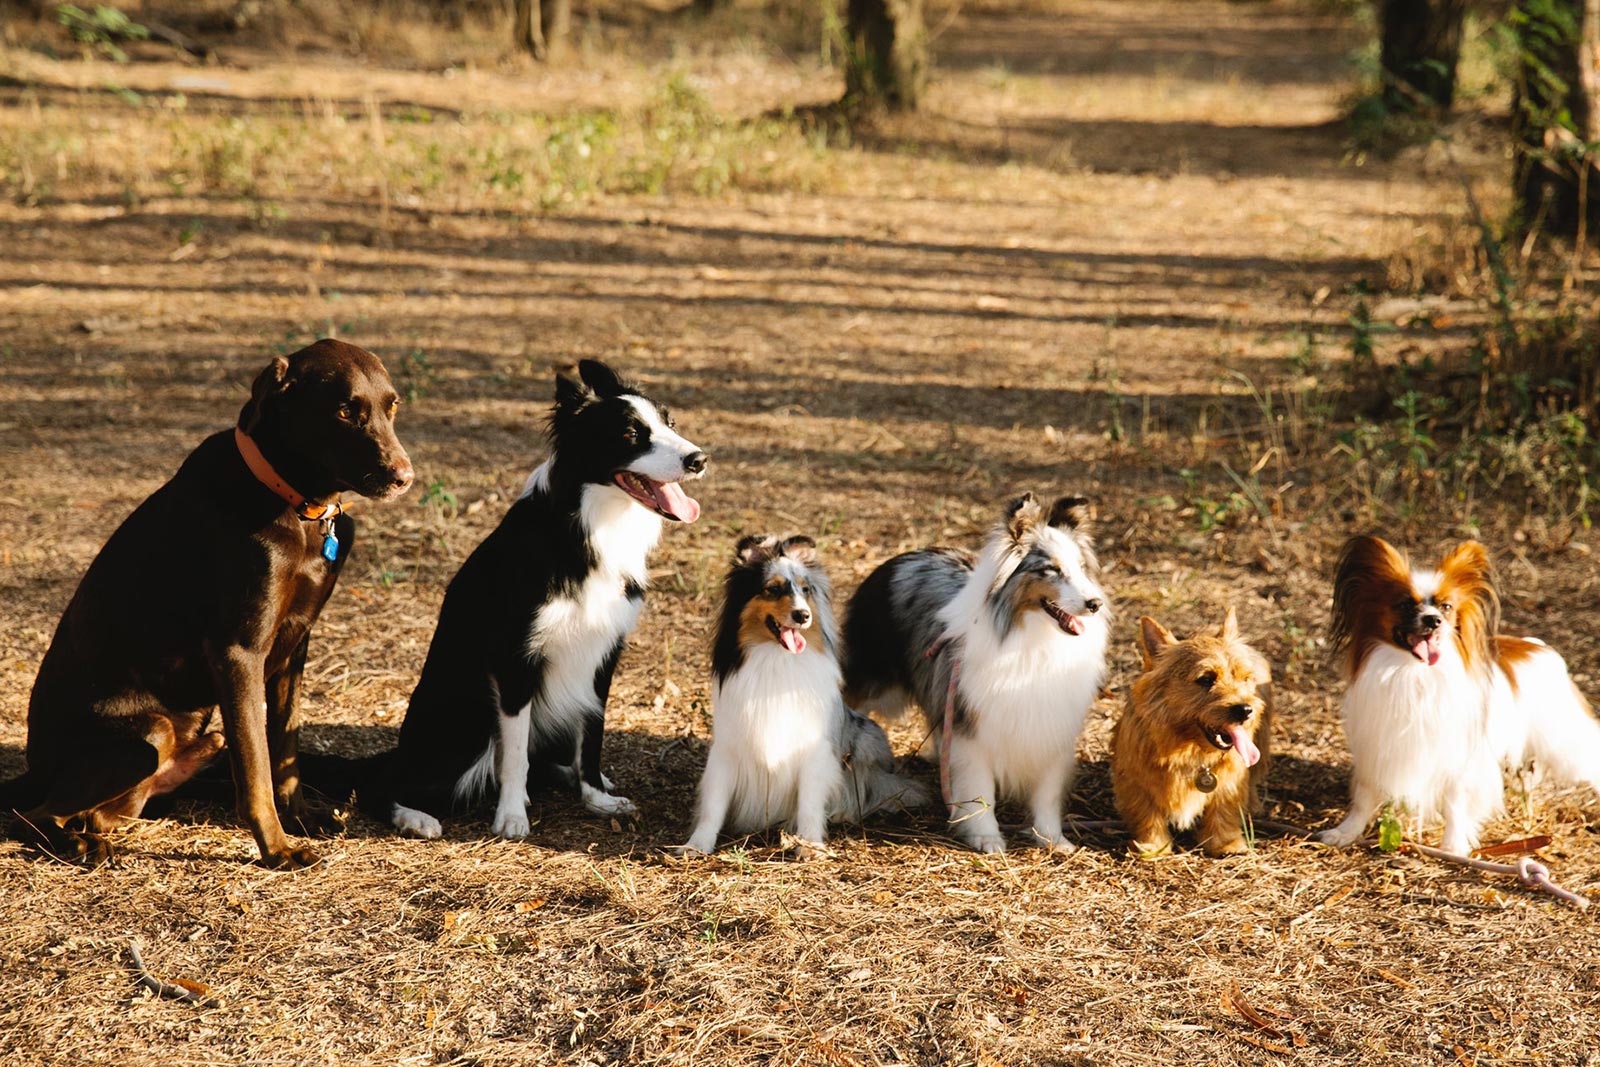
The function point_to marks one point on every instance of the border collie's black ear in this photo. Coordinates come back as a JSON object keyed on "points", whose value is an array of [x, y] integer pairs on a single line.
{"points": [[271, 381], [756, 548], [801, 549], [571, 391], [1022, 515], [1071, 513], [601, 378]]}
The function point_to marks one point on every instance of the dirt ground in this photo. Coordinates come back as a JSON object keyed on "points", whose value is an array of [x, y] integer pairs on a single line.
{"points": [[1119, 256]]}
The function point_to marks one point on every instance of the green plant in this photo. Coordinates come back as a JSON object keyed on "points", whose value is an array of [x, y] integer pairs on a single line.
{"points": [[416, 374], [1391, 832], [101, 29]]}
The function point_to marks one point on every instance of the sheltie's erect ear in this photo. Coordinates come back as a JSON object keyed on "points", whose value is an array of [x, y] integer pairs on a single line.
{"points": [[1022, 515], [800, 548], [755, 549], [1071, 513]]}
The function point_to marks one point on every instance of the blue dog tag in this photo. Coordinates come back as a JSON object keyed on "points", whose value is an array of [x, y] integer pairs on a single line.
{"points": [[330, 545]]}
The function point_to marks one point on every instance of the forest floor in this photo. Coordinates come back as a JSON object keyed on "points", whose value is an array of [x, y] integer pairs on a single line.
{"points": [[1127, 252]]}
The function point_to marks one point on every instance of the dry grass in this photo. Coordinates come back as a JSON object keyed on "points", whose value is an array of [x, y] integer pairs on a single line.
{"points": [[1094, 267]]}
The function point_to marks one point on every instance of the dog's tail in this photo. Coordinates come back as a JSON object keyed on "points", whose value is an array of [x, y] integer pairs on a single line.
{"points": [[341, 778], [871, 783]]}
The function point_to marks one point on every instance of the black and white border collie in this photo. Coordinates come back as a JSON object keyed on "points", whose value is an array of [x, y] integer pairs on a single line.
{"points": [[785, 750], [1025, 627], [534, 622]]}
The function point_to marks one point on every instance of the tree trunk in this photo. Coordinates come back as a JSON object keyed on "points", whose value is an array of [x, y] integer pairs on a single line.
{"points": [[1421, 45], [541, 26], [1557, 183], [888, 52]]}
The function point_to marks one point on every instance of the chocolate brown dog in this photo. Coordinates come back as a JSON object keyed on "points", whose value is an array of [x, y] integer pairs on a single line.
{"points": [[190, 628]]}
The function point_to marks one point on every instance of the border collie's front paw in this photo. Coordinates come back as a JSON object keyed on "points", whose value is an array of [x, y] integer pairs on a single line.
{"points": [[511, 824], [602, 803], [416, 823]]}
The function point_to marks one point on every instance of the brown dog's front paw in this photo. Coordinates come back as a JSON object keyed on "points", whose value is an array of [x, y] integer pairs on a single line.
{"points": [[316, 822], [89, 851], [291, 859], [1236, 847]]}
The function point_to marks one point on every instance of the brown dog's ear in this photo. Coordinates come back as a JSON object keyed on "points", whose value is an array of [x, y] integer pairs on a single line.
{"points": [[801, 549], [756, 548], [272, 380], [1230, 625], [1153, 637], [1022, 515], [1071, 513]]}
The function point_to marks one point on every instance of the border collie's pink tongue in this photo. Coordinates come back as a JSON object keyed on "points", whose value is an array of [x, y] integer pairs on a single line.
{"points": [[1244, 745], [791, 639], [1427, 649], [673, 502]]}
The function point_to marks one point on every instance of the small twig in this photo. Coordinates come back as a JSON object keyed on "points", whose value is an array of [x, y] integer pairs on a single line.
{"points": [[1529, 871], [169, 990]]}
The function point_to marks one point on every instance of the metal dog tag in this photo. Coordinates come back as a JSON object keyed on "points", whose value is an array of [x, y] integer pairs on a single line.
{"points": [[1205, 781], [330, 542]]}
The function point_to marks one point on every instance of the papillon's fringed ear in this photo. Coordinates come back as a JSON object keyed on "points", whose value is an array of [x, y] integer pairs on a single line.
{"points": [[1467, 580], [801, 549], [1370, 577], [601, 378], [1071, 513], [1230, 625], [1022, 515], [571, 390], [756, 548], [1153, 637], [273, 380]]}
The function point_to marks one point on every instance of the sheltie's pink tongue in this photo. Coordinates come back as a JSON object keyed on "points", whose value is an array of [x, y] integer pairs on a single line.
{"points": [[1427, 649], [674, 502], [792, 639], [1244, 745]]}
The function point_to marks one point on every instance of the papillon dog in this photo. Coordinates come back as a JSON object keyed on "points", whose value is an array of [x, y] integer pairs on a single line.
{"points": [[1439, 702], [785, 750], [533, 623], [1023, 631]]}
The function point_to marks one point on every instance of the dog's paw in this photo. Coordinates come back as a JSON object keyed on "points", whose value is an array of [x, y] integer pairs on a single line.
{"points": [[606, 783], [1226, 848], [1339, 836], [316, 822], [511, 824], [987, 843], [1055, 842], [805, 851], [1149, 850], [291, 859], [416, 823], [89, 851], [602, 803]]}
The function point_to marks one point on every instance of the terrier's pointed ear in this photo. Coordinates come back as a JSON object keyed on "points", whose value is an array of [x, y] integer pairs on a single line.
{"points": [[572, 392], [1071, 513], [1153, 637], [1022, 515], [801, 549], [269, 383], [601, 378], [756, 548], [1230, 625]]}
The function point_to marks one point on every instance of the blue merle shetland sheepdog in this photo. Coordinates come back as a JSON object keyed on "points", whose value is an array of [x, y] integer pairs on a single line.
{"points": [[785, 750], [1024, 628], [534, 622]]}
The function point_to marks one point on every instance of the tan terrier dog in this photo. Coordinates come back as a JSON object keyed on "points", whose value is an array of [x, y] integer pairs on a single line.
{"points": [[1193, 744]]}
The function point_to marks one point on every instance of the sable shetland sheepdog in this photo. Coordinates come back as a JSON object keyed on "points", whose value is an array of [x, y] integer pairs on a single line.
{"points": [[1439, 701], [1024, 629], [534, 622], [785, 749], [1193, 744]]}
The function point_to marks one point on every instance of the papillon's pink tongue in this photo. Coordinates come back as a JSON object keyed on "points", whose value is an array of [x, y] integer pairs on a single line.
{"points": [[792, 640], [673, 501], [1427, 649], [1243, 744]]}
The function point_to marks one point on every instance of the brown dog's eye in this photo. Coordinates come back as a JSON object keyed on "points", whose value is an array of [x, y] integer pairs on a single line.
{"points": [[347, 411], [1206, 680], [394, 406]]}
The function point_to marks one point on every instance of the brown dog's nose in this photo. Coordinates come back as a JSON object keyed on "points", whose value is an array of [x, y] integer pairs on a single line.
{"points": [[1240, 712], [400, 475]]}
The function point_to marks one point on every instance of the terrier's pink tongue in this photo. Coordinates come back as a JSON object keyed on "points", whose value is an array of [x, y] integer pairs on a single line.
{"points": [[671, 498], [1427, 649], [1243, 744], [792, 640]]}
